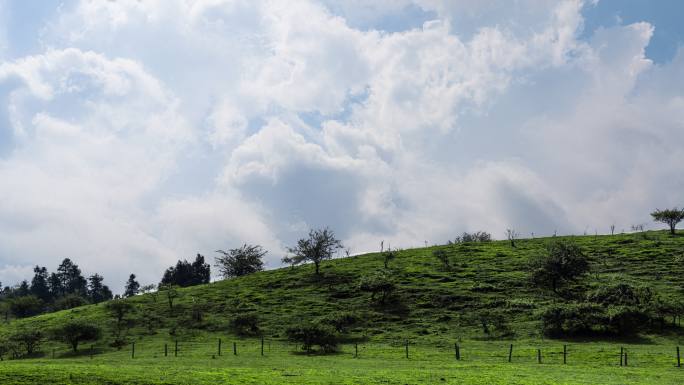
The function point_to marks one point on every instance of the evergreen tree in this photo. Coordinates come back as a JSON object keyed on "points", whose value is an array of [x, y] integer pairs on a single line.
{"points": [[187, 274], [201, 271], [39, 284], [97, 291], [22, 289], [132, 286], [71, 279], [55, 286]]}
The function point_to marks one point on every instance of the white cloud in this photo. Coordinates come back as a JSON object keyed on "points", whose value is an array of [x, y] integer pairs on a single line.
{"points": [[165, 128]]}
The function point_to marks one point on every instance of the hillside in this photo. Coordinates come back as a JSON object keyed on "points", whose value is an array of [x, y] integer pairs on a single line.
{"points": [[432, 302]]}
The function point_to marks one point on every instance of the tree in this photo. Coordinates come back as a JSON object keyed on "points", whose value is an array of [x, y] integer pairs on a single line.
{"points": [[244, 260], [55, 286], [320, 245], [563, 262], [26, 306], [22, 289], [39, 284], [132, 286], [671, 217], [389, 255], [71, 279], [170, 292], [28, 339], [310, 334], [74, 332], [512, 236], [379, 282], [442, 256], [119, 309], [186, 274], [97, 291], [69, 301]]}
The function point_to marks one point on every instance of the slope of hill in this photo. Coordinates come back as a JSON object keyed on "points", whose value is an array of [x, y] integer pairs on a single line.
{"points": [[485, 287]]}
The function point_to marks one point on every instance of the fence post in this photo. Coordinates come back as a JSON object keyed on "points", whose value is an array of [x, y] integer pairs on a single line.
{"points": [[539, 356], [510, 353], [175, 350], [166, 350], [356, 350], [262, 346], [235, 348], [565, 354], [625, 358], [133, 350], [622, 354], [458, 351], [679, 363], [407, 353], [91, 351]]}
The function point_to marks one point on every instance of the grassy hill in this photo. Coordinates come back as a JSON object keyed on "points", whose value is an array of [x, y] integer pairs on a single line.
{"points": [[433, 302], [434, 307]]}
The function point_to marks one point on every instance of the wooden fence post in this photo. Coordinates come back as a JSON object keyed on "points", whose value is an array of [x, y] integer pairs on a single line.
{"points": [[679, 363], [510, 353], [458, 351], [626, 358], [356, 350], [235, 348], [91, 351], [175, 349], [166, 349], [622, 354], [539, 356], [262, 346], [565, 354], [133, 350], [219, 347], [407, 352]]}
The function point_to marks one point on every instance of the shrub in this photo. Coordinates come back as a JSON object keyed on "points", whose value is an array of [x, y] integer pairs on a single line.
{"points": [[314, 334], [340, 321], [379, 282], [246, 324], [26, 306], [70, 301], [563, 262], [28, 340], [478, 236], [571, 319], [74, 332]]}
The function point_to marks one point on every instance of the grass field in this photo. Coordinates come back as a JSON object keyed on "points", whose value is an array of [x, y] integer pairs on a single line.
{"points": [[437, 308]]}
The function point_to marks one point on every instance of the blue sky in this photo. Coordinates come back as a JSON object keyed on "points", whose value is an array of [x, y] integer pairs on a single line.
{"points": [[133, 133]]}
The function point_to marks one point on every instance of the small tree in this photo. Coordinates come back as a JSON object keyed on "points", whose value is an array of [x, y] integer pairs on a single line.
{"points": [[442, 256], [244, 260], [26, 306], [563, 262], [379, 282], [170, 292], [310, 334], [389, 255], [74, 332], [671, 217], [28, 339], [512, 236], [320, 245], [132, 286], [118, 309]]}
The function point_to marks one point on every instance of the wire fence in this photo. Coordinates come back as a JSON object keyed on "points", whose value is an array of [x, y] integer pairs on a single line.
{"points": [[545, 353]]}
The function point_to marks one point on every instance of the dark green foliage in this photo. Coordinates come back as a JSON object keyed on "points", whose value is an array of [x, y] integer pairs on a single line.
{"points": [[27, 340], [26, 306], [119, 309], [132, 286], [572, 319], [70, 278], [170, 292], [245, 324], [670, 217], [320, 246], [341, 321], [69, 301], [185, 274], [39, 284], [378, 283], [74, 332], [478, 236], [493, 323], [311, 334], [442, 256], [97, 291], [244, 260], [563, 262]]}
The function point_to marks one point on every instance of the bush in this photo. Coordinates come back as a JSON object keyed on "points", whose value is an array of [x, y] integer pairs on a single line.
{"points": [[563, 262], [28, 340], [26, 306], [70, 301], [572, 319], [340, 321], [314, 334], [74, 332], [379, 282], [478, 236], [246, 324]]}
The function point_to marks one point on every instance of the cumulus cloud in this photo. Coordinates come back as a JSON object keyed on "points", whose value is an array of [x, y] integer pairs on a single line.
{"points": [[150, 131]]}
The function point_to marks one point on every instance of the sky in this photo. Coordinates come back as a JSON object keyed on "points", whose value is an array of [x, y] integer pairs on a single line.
{"points": [[136, 133]]}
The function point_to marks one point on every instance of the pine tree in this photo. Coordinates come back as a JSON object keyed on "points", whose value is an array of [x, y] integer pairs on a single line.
{"points": [[98, 292], [132, 286], [39, 284], [71, 279]]}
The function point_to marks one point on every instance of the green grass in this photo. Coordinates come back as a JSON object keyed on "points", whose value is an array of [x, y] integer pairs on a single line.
{"points": [[438, 308]]}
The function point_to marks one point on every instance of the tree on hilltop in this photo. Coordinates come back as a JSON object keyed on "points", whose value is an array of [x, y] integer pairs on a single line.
{"points": [[669, 216]]}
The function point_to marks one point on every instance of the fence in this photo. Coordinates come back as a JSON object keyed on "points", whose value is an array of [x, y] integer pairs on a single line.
{"points": [[544, 353]]}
